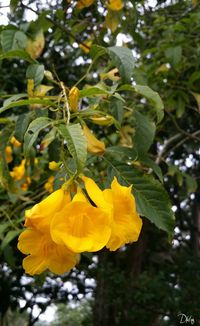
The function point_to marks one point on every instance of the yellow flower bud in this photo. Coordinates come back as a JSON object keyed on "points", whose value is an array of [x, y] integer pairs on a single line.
{"points": [[115, 5], [107, 120], [86, 46], [112, 75], [94, 145], [84, 3], [54, 166], [18, 171], [15, 142], [49, 184], [73, 98], [9, 156]]}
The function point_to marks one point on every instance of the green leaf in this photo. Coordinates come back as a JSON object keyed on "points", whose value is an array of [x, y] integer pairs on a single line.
{"points": [[191, 183], [22, 124], [144, 132], [12, 39], [93, 91], [123, 59], [174, 54], [152, 200], [33, 130], [150, 95], [13, 5], [116, 109], [9, 237], [120, 153], [154, 98], [35, 72], [27, 102], [14, 98], [76, 143], [17, 54], [152, 165]]}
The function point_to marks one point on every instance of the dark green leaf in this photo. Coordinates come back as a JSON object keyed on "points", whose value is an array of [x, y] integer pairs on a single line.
{"points": [[12, 39], [17, 54], [123, 59], [35, 72], [76, 143], [144, 132], [33, 130]]}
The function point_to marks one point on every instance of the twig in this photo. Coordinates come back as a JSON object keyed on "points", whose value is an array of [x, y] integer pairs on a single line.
{"points": [[60, 26], [180, 129]]}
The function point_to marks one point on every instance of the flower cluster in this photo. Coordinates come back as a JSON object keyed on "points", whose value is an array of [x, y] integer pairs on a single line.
{"points": [[60, 227]]}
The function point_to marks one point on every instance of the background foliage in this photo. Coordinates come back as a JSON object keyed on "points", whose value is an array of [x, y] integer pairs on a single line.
{"points": [[152, 281]]}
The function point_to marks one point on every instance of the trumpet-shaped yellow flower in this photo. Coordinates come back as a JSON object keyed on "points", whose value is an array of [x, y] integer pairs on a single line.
{"points": [[18, 172], [84, 3], [54, 166], [126, 223], [8, 152], [15, 142], [44, 254], [73, 98], [81, 226], [49, 184], [40, 215], [94, 145], [115, 5]]}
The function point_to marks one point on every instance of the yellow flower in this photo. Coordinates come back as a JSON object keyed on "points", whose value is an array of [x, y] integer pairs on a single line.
{"points": [[9, 156], [81, 226], [18, 171], [113, 75], [94, 145], [36, 241], [86, 46], [40, 215], [73, 98], [54, 166], [44, 254], [49, 184], [84, 3], [126, 223], [15, 142], [24, 186], [115, 5]]}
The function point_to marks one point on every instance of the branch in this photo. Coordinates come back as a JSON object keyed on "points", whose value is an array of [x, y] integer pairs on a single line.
{"points": [[60, 26], [180, 129]]}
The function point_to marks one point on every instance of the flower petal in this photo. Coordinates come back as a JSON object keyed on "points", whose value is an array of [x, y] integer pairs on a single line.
{"points": [[30, 242], [34, 264], [81, 227]]}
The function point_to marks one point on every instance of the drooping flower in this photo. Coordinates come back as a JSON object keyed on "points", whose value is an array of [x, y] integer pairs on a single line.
{"points": [[81, 226], [8, 153], [94, 145], [73, 98], [44, 254], [18, 172], [115, 5], [36, 240], [126, 223], [84, 3], [49, 184], [41, 214], [15, 142], [54, 166], [24, 186]]}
